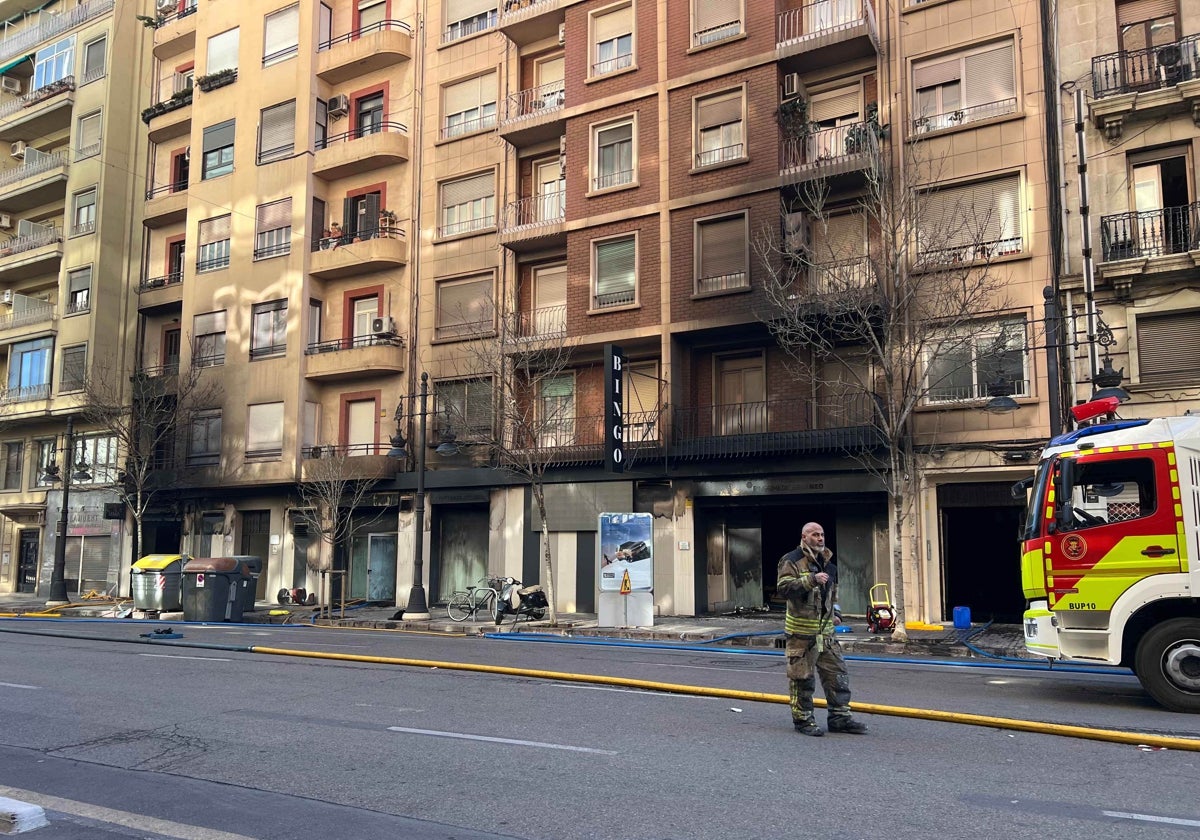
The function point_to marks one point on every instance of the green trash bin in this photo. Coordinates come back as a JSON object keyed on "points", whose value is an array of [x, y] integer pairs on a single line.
{"points": [[212, 589], [253, 567], [156, 582]]}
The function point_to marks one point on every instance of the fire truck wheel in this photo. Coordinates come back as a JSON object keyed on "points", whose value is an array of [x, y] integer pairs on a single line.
{"points": [[1168, 664]]}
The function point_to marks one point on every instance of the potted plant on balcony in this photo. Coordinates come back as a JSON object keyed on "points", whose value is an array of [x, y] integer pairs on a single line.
{"points": [[859, 136], [212, 81], [387, 224]]}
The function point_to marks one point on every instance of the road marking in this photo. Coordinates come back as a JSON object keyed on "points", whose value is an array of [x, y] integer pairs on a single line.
{"points": [[1122, 815], [138, 822], [770, 671], [642, 692], [19, 685], [465, 737], [181, 656]]}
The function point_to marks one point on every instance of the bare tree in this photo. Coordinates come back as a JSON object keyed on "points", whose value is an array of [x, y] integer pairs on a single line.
{"points": [[148, 416], [332, 490], [888, 301], [529, 424]]}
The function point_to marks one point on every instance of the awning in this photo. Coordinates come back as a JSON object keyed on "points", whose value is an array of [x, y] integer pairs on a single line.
{"points": [[10, 65]]}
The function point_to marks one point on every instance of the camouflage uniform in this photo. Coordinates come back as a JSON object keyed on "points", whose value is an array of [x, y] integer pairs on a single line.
{"points": [[810, 634]]}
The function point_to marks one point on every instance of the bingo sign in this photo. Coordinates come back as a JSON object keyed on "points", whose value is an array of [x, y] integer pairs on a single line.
{"points": [[626, 547]]}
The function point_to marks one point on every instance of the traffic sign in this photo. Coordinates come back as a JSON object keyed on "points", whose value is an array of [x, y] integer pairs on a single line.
{"points": [[626, 584]]}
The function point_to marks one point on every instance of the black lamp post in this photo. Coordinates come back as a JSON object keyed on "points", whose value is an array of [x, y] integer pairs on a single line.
{"points": [[418, 607], [58, 582]]}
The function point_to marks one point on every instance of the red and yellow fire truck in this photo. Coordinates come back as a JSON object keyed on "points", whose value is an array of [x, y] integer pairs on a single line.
{"points": [[1111, 560]]}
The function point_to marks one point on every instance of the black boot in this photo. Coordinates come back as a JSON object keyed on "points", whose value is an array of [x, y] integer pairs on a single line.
{"points": [[847, 725], [808, 727]]}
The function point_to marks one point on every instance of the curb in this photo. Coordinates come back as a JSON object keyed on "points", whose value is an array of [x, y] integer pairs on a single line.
{"points": [[17, 817]]}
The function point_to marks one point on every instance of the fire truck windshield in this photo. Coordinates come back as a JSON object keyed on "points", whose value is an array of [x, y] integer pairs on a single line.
{"points": [[1037, 499]]}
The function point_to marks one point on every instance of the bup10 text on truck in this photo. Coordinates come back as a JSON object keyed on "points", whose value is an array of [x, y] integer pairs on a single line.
{"points": [[1109, 560]]}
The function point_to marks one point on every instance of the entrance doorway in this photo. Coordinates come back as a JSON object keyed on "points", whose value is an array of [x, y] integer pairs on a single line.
{"points": [[256, 538], [27, 559], [373, 567], [462, 548], [981, 553]]}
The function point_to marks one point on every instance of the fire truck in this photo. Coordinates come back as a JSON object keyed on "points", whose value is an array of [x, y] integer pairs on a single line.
{"points": [[1110, 561]]}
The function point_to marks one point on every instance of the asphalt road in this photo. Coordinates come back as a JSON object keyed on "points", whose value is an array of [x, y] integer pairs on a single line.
{"points": [[119, 740]]}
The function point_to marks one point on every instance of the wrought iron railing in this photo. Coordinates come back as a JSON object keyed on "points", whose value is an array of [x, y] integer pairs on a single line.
{"points": [[363, 131], [722, 283], [186, 9], [608, 180], [167, 368], [823, 17], [333, 345], [974, 391], [535, 211], [467, 225], [161, 282], [1150, 233], [154, 192], [334, 241], [969, 253], [581, 439], [534, 102], [623, 297], [345, 450], [824, 146], [963, 116], [379, 26], [83, 228], [49, 26], [712, 157], [1161, 66], [716, 33], [544, 322], [63, 85], [773, 427]]}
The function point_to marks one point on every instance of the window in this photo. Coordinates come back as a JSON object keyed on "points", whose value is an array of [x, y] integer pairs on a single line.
{"points": [[549, 316], [970, 222], [181, 169], [612, 40], [314, 321], [74, 368], [468, 204], [369, 114], [613, 157], [1143, 25], [29, 370], [963, 88], [79, 290], [361, 432], [371, 14], [366, 310], [209, 330], [222, 52], [14, 458], [95, 55], [54, 63], [264, 432], [838, 254], [204, 438], [614, 269], [214, 244], [218, 150], [642, 401], [1168, 347], [963, 365], [324, 27], [469, 106], [360, 216], [83, 216], [99, 452], [171, 343], [87, 140], [321, 134], [268, 336], [721, 254], [715, 20], [556, 411], [468, 17], [276, 132], [719, 129], [1114, 489], [273, 229], [281, 35], [464, 308], [464, 406], [175, 254]]}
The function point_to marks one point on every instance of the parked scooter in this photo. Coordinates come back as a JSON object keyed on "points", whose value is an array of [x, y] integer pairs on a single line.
{"points": [[518, 600]]}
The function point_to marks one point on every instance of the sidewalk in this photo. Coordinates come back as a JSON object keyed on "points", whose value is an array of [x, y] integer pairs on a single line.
{"points": [[744, 630]]}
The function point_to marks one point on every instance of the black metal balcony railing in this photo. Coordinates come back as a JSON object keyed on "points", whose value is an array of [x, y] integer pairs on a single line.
{"points": [[345, 450], [545, 322], [973, 252], [280, 55], [962, 116], [362, 131], [161, 282], [1150, 233], [1162, 66], [275, 249], [773, 427], [80, 304], [183, 10], [274, 154], [577, 440], [722, 283], [976, 391], [364, 30], [213, 263], [332, 243], [824, 146], [178, 186], [334, 345], [168, 368]]}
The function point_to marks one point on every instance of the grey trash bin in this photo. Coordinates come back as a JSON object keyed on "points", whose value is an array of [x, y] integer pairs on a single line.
{"points": [[253, 567], [156, 580], [212, 589]]}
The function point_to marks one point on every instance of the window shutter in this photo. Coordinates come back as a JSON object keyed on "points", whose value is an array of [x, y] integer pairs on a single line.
{"points": [[209, 323], [215, 229], [347, 213], [80, 280], [936, 73], [840, 238], [834, 105], [273, 216], [463, 96], [468, 189], [641, 388], [462, 303], [551, 288], [360, 422], [318, 217], [723, 247], [612, 25], [718, 110], [281, 31], [616, 265], [457, 10], [1137, 11], [983, 212], [89, 131], [93, 561], [93, 60], [1168, 346], [218, 136], [989, 76], [277, 133], [711, 14]]}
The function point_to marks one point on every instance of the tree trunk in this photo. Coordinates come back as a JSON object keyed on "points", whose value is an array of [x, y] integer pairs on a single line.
{"points": [[897, 486], [547, 560]]}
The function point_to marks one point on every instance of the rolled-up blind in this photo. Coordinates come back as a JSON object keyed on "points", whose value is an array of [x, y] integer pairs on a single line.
{"points": [[711, 14], [209, 323], [215, 229], [457, 10], [939, 72], [277, 214], [463, 302], [278, 129], [265, 427], [840, 238], [612, 25], [1137, 11], [989, 76], [1168, 346], [463, 96], [719, 110], [616, 265], [222, 52], [468, 189], [722, 247], [970, 214], [281, 31], [218, 136], [80, 280], [834, 105]]}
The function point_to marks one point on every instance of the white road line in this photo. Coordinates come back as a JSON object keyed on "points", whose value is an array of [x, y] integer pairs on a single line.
{"points": [[138, 822], [180, 656], [769, 672], [465, 737], [1121, 815], [642, 691], [19, 685]]}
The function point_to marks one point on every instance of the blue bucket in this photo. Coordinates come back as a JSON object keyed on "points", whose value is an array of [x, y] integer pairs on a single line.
{"points": [[962, 618]]}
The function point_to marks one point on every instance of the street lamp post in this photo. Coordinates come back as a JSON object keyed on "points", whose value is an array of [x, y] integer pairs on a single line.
{"points": [[58, 581], [418, 607]]}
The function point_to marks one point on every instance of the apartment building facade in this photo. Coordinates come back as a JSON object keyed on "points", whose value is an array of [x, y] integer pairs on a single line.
{"points": [[67, 183]]}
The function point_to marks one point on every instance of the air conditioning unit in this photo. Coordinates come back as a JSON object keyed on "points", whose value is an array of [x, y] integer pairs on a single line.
{"points": [[18, 149], [791, 85], [383, 326], [5, 221], [165, 7], [10, 84], [187, 153], [339, 105], [6, 297], [562, 34]]}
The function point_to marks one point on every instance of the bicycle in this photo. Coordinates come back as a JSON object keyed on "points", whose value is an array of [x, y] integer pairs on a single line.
{"points": [[465, 604]]}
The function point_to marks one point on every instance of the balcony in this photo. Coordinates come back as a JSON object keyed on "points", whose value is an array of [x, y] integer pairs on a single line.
{"points": [[172, 116], [160, 293], [533, 115], [1144, 242], [1146, 82], [35, 250], [341, 461], [825, 33], [175, 31], [370, 249], [536, 324], [25, 399], [165, 205], [830, 152], [51, 26], [40, 179], [963, 116], [932, 259], [359, 357], [535, 221], [361, 150], [774, 427], [27, 318], [526, 21], [39, 112], [364, 50], [580, 440]]}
